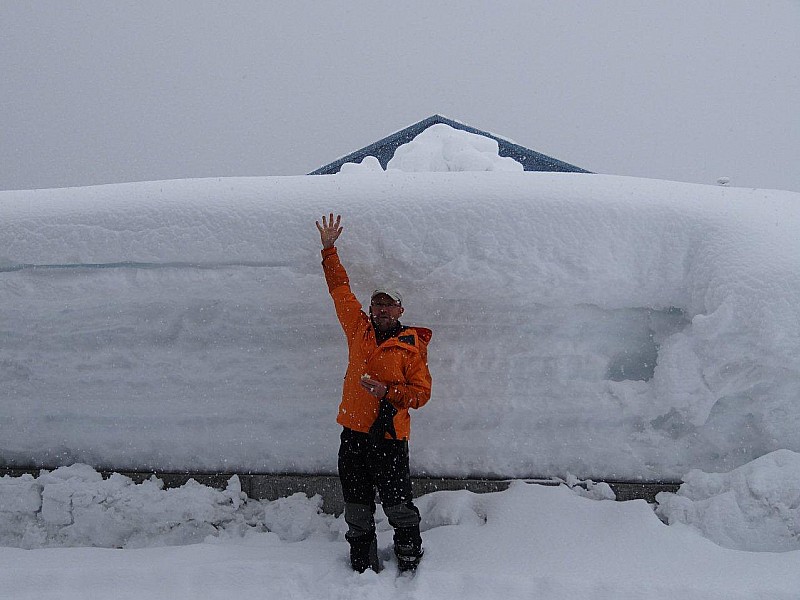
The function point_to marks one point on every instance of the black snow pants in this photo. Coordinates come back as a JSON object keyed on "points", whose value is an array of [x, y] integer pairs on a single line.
{"points": [[365, 465]]}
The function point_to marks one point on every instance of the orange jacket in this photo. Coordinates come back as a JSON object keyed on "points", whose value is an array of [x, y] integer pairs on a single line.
{"points": [[401, 362]]}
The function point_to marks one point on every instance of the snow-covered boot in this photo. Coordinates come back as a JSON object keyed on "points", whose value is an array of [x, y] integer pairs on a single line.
{"points": [[408, 548], [408, 557], [364, 553]]}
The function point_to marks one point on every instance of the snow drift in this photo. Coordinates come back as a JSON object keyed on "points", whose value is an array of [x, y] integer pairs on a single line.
{"points": [[605, 326], [754, 507]]}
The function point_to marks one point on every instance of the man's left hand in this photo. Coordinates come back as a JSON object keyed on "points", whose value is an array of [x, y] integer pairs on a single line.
{"points": [[374, 387]]}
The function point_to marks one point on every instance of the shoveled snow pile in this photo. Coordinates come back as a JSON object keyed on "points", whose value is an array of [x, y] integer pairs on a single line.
{"points": [[604, 326], [74, 506], [754, 507]]}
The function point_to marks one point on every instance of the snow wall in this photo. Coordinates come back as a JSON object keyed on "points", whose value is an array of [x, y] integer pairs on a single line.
{"points": [[604, 326]]}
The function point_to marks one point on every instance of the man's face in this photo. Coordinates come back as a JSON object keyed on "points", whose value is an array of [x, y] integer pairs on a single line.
{"points": [[385, 312]]}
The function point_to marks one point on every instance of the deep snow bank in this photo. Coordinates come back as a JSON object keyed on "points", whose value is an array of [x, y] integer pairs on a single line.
{"points": [[606, 326]]}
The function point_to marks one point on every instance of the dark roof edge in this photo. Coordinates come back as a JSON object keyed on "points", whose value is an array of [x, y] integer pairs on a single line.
{"points": [[405, 135], [397, 136]]}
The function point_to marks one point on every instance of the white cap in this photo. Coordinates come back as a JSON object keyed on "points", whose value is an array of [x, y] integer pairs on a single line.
{"points": [[392, 293]]}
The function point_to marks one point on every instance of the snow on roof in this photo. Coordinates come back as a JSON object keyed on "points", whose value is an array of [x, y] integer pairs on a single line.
{"points": [[385, 148]]}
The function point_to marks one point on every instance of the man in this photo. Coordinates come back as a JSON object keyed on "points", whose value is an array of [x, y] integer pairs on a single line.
{"points": [[387, 374]]}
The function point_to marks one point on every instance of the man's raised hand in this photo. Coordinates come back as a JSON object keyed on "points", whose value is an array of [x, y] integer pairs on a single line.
{"points": [[329, 230]]}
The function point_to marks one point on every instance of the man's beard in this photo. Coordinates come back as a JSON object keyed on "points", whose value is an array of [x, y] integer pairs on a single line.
{"points": [[385, 326]]}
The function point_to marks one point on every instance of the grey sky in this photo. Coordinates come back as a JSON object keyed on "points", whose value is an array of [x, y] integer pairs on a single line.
{"points": [[100, 91]]}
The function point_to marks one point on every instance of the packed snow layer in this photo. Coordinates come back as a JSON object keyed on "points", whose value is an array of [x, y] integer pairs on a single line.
{"points": [[529, 541], [606, 326]]}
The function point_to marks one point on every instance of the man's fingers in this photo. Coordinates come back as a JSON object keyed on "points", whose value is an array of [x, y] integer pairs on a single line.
{"points": [[328, 222]]}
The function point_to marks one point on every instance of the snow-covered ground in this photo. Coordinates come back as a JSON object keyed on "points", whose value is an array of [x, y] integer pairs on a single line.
{"points": [[530, 541], [583, 324]]}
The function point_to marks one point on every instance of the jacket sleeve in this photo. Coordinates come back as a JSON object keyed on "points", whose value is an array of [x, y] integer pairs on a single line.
{"points": [[416, 390], [348, 308]]}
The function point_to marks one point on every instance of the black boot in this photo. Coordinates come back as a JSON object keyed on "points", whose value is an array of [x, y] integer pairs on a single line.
{"points": [[364, 553], [408, 548], [408, 557]]}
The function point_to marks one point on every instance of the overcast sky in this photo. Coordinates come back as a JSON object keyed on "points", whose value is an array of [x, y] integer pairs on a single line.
{"points": [[101, 91]]}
